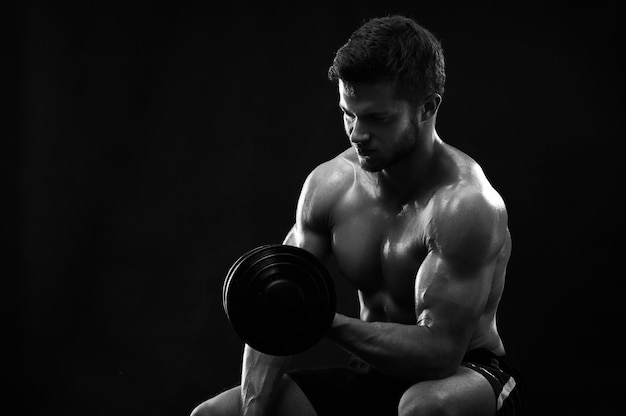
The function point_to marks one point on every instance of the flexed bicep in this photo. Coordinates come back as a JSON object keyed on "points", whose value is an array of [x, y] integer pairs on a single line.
{"points": [[454, 282], [314, 242], [450, 302]]}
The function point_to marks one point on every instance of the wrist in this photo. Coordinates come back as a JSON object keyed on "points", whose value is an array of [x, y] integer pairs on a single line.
{"points": [[339, 321]]}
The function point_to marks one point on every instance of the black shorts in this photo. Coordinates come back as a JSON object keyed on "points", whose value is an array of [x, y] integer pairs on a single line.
{"points": [[359, 389]]}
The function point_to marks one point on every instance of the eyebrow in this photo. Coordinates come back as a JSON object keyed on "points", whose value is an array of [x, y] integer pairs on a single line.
{"points": [[367, 113]]}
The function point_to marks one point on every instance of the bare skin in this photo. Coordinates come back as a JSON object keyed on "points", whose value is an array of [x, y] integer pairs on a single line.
{"points": [[415, 227]]}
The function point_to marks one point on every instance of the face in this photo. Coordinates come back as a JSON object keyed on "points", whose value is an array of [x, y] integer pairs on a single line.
{"points": [[382, 128]]}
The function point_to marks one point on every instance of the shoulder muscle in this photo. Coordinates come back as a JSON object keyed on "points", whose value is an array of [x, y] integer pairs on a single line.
{"points": [[468, 225], [323, 187]]}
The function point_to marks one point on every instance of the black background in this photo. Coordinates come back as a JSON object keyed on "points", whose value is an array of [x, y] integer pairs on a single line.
{"points": [[156, 143]]}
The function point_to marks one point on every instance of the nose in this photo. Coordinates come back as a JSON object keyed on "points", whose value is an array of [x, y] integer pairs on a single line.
{"points": [[358, 133]]}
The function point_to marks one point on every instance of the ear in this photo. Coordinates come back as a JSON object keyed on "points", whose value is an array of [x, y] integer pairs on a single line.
{"points": [[429, 107]]}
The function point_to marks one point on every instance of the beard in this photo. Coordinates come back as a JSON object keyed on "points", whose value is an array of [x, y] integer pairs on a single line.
{"points": [[405, 146]]}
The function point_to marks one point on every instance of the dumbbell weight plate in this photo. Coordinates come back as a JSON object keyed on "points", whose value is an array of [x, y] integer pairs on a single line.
{"points": [[279, 299]]}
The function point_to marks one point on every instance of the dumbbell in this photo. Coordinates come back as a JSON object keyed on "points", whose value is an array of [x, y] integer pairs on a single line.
{"points": [[279, 299]]}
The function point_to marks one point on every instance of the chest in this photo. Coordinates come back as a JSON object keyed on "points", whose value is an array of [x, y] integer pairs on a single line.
{"points": [[379, 248]]}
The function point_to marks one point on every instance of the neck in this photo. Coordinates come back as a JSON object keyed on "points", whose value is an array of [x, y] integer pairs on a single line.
{"points": [[413, 172]]}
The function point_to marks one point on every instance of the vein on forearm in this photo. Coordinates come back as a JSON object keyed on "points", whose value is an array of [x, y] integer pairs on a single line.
{"points": [[405, 350]]}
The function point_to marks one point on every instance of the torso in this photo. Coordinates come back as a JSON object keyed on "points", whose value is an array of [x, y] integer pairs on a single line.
{"points": [[380, 244]]}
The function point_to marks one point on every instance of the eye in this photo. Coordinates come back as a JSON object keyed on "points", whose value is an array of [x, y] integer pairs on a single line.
{"points": [[379, 117]]}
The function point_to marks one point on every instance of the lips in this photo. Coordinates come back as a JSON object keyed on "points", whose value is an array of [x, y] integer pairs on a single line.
{"points": [[364, 152]]}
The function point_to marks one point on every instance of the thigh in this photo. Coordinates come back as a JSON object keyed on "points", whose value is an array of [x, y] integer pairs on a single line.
{"points": [[289, 399], [464, 393]]}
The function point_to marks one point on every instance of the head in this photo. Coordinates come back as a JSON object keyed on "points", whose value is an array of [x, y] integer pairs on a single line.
{"points": [[394, 63]]}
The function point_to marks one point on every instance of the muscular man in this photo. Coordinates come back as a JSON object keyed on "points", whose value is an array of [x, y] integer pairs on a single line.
{"points": [[416, 228]]}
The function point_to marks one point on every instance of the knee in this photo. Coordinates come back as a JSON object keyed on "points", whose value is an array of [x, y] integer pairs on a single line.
{"points": [[425, 404], [226, 403], [202, 409], [206, 409]]}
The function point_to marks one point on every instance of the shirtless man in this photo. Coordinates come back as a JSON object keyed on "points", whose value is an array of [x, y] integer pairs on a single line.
{"points": [[416, 228]]}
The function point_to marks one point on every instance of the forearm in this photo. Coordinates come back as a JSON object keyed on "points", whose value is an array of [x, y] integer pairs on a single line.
{"points": [[407, 351], [260, 375]]}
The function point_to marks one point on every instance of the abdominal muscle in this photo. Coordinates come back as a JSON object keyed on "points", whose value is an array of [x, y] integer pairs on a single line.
{"points": [[379, 307]]}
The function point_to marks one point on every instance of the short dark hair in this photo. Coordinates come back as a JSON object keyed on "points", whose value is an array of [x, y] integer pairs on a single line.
{"points": [[392, 49]]}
